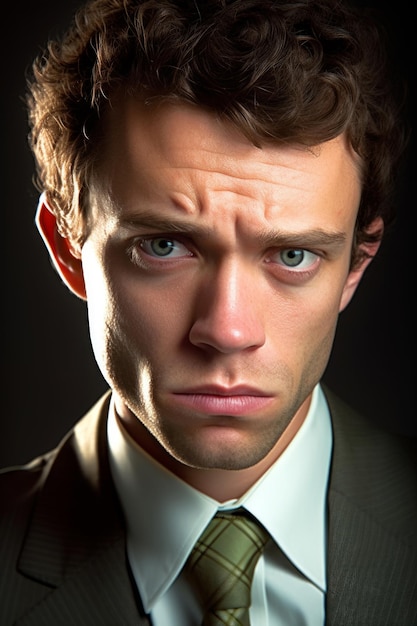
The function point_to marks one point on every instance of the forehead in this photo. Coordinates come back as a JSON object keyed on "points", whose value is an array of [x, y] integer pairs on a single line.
{"points": [[175, 155]]}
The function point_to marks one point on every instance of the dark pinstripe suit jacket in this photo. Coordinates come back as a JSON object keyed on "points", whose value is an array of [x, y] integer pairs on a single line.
{"points": [[63, 559]]}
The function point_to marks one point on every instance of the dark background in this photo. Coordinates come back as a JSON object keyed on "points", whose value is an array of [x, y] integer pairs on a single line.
{"points": [[48, 371]]}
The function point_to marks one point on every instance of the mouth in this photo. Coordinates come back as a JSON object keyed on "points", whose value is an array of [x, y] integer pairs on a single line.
{"points": [[216, 400]]}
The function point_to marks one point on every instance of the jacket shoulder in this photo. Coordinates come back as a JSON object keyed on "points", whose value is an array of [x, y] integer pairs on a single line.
{"points": [[20, 484]]}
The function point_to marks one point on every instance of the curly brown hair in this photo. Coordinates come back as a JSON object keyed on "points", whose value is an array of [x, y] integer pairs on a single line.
{"points": [[299, 71]]}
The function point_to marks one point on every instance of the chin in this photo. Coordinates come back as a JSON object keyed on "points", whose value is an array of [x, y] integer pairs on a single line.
{"points": [[222, 450]]}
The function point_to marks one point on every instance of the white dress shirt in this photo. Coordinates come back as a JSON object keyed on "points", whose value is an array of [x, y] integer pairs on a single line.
{"points": [[165, 516]]}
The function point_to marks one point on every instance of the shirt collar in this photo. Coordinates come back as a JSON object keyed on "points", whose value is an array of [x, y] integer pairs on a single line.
{"points": [[165, 516], [296, 485]]}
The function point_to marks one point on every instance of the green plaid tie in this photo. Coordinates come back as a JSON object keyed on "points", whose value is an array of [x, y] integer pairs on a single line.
{"points": [[221, 567]]}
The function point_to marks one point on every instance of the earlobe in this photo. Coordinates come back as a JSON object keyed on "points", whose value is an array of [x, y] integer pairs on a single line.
{"points": [[66, 262], [354, 277]]}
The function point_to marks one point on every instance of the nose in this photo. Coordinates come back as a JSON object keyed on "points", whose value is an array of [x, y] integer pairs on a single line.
{"points": [[228, 314]]}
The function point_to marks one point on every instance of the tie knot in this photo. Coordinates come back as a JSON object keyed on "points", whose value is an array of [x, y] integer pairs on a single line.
{"points": [[222, 564]]}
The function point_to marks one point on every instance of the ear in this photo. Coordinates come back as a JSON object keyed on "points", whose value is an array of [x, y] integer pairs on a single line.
{"points": [[67, 262], [354, 276]]}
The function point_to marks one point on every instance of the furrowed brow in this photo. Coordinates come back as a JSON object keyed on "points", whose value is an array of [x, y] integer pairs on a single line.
{"points": [[313, 238], [159, 223], [269, 238]]}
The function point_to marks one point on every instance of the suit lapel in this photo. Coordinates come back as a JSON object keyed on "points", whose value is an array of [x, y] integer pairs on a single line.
{"points": [[75, 546], [370, 571], [99, 593], [365, 570]]}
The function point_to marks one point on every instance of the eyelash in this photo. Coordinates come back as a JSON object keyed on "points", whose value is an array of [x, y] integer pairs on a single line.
{"points": [[137, 253], [295, 268], [171, 240]]}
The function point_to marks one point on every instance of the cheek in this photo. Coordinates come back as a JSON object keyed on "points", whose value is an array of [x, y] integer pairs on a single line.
{"points": [[146, 319], [143, 337], [307, 324], [317, 328]]}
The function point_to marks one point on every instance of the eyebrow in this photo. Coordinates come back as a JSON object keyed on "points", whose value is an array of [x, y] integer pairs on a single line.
{"points": [[314, 237], [152, 221]]}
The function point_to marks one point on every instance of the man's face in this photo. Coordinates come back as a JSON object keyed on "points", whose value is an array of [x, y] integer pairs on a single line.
{"points": [[215, 272]]}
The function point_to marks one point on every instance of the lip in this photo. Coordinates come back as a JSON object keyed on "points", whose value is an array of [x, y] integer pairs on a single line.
{"points": [[220, 390], [217, 400]]}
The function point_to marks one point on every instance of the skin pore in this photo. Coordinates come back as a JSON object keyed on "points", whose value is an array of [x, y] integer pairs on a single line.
{"points": [[214, 273]]}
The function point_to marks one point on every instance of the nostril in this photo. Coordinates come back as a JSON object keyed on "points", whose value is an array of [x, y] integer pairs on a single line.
{"points": [[226, 336]]}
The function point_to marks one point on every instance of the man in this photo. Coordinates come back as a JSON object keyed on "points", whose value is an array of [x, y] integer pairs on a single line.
{"points": [[215, 180]]}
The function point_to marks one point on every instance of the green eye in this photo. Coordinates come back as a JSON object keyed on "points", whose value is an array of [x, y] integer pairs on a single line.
{"points": [[160, 247], [298, 259], [292, 258]]}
